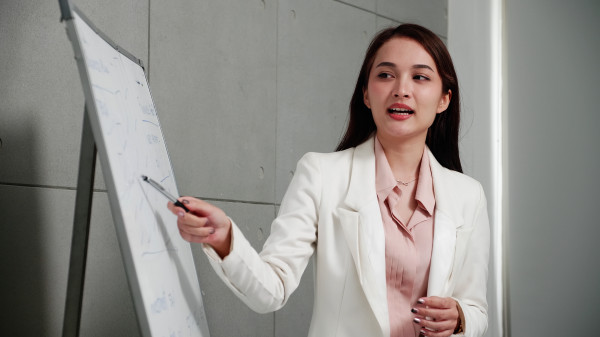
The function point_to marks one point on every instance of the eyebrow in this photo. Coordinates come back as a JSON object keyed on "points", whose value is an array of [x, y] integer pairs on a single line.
{"points": [[393, 65]]}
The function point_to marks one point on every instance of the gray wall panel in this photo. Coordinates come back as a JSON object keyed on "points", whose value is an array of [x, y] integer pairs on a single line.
{"points": [[432, 14], [321, 47], [38, 78], [383, 23], [42, 101], [368, 5], [213, 71]]}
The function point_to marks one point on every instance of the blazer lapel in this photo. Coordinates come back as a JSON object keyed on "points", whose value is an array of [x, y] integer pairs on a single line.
{"points": [[442, 255], [360, 220], [446, 222]]}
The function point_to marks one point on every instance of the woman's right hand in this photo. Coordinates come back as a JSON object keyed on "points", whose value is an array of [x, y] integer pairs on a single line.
{"points": [[204, 223]]}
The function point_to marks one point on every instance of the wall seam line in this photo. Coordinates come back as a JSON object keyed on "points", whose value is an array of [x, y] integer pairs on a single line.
{"points": [[379, 15], [276, 129], [148, 41]]}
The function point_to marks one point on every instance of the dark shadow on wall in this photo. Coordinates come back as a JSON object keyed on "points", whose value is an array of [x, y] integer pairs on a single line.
{"points": [[107, 308], [22, 281], [36, 219], [27, 285]]}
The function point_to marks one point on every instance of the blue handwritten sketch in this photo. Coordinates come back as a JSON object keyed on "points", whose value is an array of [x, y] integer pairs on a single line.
{"points": [[150, 122], [148, 109], [160, 304], [163, 302], [153, 139], [101, 106], [108, 90], [97, 65]]}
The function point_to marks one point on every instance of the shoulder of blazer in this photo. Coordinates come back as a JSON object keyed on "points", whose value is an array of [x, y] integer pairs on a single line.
{"points": [[326, 158], [334, 165], [454, 190], [349, 174]]}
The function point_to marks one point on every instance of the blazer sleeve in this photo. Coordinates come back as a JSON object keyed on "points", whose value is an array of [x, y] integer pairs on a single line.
{"points": [[471, 284], [265, 281]]}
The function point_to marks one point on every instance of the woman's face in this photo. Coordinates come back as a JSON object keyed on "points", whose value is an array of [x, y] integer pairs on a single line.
{"points": [[404, 91]]}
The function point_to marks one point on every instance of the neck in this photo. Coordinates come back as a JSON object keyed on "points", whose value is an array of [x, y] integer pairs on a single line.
{"points": [[403, 157]]}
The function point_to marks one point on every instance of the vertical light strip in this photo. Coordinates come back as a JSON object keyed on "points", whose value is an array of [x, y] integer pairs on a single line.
{"points": [[496, 109]]}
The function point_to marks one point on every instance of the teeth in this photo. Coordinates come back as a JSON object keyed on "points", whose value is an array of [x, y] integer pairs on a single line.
{"points": [[400, 110]]}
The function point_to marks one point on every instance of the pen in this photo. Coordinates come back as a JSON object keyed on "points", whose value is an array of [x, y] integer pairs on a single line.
{"points": [[164, 192]]}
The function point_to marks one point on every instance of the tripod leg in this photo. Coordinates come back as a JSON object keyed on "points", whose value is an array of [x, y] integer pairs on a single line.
{"points": [[81, 226]]}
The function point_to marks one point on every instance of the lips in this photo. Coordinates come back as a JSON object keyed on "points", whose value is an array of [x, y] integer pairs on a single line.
{"points": [[399, 109]]}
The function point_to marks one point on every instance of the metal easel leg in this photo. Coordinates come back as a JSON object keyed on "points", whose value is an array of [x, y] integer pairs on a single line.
{"points": [[81, 226]]}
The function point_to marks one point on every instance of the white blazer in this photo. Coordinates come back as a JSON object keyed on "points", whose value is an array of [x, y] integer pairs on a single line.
{"points": [[330, 210]]}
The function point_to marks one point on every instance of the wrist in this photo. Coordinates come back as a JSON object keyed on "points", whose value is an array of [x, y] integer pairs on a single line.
{"points": [[460, 320], [223, 247]]}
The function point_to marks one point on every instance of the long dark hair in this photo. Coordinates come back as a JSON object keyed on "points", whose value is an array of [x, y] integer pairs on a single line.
{"points": [[442, 136]]}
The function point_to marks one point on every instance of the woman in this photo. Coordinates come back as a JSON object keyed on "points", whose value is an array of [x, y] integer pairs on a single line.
{"points": [[400, 237]]}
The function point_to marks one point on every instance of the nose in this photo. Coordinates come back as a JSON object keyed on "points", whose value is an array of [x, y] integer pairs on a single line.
{"points": [[402, 88]]}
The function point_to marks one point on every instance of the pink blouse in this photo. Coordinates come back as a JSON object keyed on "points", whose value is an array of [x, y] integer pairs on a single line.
{"points": [[408, 244]]}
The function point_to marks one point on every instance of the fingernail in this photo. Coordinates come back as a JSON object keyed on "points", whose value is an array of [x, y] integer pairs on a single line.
{"points": [[423, 332], [212, 231], [421, 301], [181, 214], [414, 311], [186, 202], [416, 320]]}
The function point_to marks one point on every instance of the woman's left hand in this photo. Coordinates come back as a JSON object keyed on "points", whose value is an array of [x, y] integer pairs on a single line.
{"points": [[437, 316]]}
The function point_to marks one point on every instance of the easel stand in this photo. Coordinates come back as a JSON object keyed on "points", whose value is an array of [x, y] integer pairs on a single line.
{"points": [[81, 229], [107, 74]]}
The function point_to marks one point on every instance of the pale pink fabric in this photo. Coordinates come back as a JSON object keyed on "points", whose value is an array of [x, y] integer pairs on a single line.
{"points": [[408, 243]]}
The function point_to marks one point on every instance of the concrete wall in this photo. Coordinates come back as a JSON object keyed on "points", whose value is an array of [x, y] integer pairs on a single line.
{"points": [[243, 89], [553, 162]]}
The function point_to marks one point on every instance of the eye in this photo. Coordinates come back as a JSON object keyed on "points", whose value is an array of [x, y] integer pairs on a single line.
{"points": [[421, 78], [385, 75]]}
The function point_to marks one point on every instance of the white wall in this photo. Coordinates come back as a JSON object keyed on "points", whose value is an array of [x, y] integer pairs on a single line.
{"points": [[470, 40]]}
